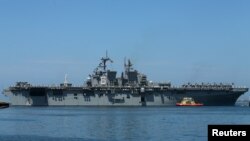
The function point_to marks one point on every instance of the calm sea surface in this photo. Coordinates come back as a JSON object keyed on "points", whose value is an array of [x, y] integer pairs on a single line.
{"points": [[115, 124]]}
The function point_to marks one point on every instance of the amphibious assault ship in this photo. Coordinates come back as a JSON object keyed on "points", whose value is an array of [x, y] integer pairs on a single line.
{"points": [[104, 88]]}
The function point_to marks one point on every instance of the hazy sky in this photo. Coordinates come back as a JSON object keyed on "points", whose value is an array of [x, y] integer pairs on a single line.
{"points": [[170, 40]]}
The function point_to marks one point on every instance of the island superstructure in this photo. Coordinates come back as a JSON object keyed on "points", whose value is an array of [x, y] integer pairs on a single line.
{"points": [[131, 88]]}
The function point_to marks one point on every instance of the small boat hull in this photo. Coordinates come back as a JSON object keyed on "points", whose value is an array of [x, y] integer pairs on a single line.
{"points": [[196, 104], [4, 105], [188, 101]]}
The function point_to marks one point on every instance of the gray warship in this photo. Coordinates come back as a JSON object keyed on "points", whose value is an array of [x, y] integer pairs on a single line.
{"points": [[104, 88]]}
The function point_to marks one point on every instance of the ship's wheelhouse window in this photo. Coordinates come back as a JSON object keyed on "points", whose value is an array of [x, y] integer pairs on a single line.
{"points": [[75, 98], [75, 94]]}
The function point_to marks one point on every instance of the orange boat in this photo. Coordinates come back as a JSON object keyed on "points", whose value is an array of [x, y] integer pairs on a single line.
{"points": [[188, 101]]}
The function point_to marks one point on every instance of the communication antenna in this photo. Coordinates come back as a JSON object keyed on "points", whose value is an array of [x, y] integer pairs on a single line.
{"points": [[125, 62], [104, 61], [66, 79]]}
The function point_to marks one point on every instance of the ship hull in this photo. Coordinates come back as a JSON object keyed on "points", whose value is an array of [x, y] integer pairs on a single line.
{"points": [[43, 97]]}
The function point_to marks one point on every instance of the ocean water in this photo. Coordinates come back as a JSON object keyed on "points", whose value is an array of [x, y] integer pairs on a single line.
{"points": [[115, 123]]}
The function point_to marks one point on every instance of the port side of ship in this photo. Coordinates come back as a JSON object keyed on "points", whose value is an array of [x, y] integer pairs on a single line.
{"points": [[44, 96], [72, 96], [103, 88]]}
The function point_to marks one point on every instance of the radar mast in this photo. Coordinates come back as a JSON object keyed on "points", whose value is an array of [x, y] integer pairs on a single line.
{"points": [[104, 61]]}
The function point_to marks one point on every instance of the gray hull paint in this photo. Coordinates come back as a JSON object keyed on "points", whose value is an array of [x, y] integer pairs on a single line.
{"points": [[169, 98]]}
